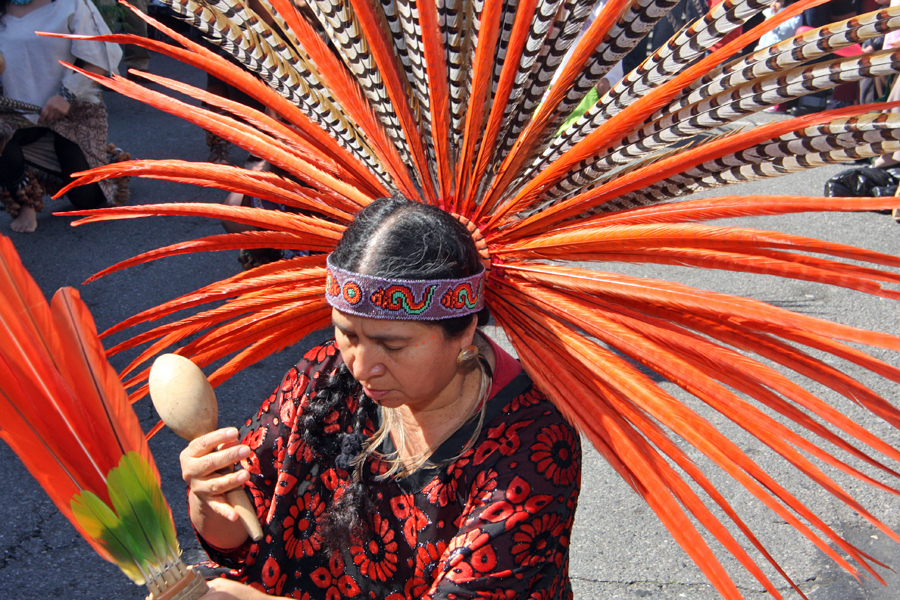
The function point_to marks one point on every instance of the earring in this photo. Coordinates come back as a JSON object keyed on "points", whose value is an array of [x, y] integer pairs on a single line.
{"points": [[466, 356]]}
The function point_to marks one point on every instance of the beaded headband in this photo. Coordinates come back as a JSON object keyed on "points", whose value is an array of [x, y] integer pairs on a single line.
{"points": [[427, 300]]}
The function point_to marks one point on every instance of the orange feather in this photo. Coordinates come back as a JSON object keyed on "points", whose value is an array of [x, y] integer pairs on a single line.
{"points": [[268, 186], [519, 35], [245, 136], [202, 58], [700, 302], [438, 94], [286, 222], [63, 409], [295, 272], [632, 384], [348, 95]]}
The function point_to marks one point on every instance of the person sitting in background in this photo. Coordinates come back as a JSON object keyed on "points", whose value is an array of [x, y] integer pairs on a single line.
{"points": [[41, 151]]}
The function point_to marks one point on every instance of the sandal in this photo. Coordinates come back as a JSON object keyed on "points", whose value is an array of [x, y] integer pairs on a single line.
{"points": [[122, 195]]}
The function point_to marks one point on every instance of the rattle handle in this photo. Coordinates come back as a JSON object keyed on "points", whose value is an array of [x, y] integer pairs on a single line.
{"points": [[240, 501], [246, 512]]}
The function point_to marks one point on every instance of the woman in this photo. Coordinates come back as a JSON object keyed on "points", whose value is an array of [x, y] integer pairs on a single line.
{"points": [[41, 151], [409, 457]]}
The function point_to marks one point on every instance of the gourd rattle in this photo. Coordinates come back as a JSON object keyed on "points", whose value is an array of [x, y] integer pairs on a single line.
{"points": [[187, 404]]}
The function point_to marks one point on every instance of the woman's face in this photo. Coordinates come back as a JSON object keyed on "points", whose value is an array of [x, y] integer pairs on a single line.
{"points": [[401, 363]]}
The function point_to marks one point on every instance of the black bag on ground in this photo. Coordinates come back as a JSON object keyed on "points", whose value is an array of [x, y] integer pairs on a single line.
{"points": [[862, 181]]}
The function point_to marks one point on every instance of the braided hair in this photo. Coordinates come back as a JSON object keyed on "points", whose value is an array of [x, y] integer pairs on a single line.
{"points": [[392, 238]]}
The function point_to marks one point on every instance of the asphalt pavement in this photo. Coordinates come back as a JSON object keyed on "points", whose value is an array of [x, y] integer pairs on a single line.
{"points": [[619, 549]]}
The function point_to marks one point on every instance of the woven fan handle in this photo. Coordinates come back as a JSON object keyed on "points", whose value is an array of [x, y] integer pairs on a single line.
{"points": [[178, 583]]}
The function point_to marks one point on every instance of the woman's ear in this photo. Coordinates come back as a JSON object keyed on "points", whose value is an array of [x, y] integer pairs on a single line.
{"points": [[468, 337]]}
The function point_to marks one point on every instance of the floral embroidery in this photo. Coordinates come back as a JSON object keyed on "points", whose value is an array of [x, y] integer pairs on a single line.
{"points": [[537, 539], [334, 581], [414, 520], [441, 491], [272, 577], [300, 535], [318, 354], [518, 505], [285, 484], [426, 561], [554, 455], [376, 558]]}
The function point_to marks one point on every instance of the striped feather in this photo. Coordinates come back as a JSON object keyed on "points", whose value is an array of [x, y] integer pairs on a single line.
{"points": [[686, 47], [286, 75], [565, 28], [731, 105], [649, 174], [452, 15], [343, 28]]}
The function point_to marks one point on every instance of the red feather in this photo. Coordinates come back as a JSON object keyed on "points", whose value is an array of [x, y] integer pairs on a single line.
{"points": [[274, 275], [700, 302], [63, 409], [616, 128], [268, 186], [245, 136], [438, 94], [196, 55], [519, 35], [653, 172], [276, 221]]}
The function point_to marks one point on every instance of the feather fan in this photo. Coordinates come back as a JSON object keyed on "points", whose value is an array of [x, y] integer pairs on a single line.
{"points": [[64, 411], [455, 104]]}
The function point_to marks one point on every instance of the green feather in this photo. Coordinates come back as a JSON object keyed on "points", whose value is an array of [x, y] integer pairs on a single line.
{"points": [[101, 523], [138, 531], [131, 493]]}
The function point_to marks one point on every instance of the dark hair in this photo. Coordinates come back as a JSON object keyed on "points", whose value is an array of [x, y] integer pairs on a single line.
{"points": [[395, 238], [392, 238]]}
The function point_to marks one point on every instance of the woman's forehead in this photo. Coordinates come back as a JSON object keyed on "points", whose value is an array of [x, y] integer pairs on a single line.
{"points": [[382, 329]]}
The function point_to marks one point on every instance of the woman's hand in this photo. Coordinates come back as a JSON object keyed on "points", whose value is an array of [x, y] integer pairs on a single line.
{"points": [[55, 108], [225, 589], [206, 466]]}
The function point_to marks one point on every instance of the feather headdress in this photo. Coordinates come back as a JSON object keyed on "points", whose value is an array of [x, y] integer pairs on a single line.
{"points": [[65, 413], [449, 103]]}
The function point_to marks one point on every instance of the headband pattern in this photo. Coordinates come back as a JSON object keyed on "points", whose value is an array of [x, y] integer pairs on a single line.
{"points": [[427, 300]]}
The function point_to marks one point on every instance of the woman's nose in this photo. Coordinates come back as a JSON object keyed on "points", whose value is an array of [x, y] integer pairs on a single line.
{"points": [[365, 363]]}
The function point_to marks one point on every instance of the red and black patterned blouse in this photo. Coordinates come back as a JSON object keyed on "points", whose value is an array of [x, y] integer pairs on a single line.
{"points": [[495, 523]]}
